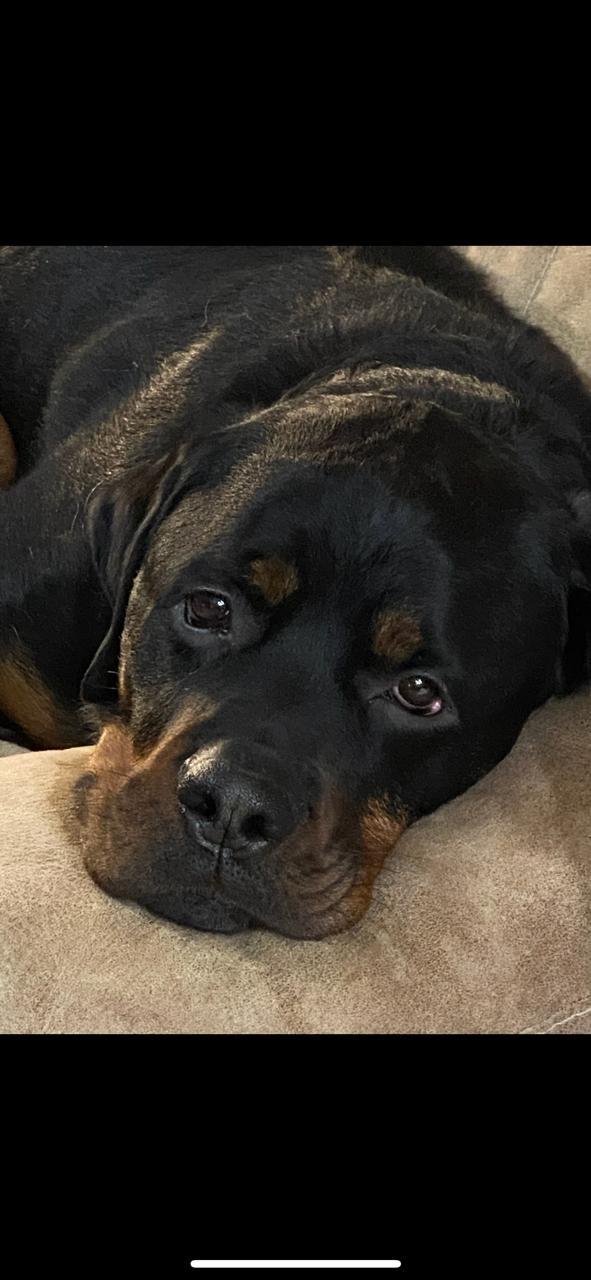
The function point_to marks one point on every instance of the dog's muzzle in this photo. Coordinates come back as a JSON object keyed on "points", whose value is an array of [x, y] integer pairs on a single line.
{"points": [[239, 807]]}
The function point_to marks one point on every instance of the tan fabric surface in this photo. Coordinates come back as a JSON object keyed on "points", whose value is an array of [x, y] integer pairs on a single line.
{"points": [[481, 921], [480, 924], [548, 284]]}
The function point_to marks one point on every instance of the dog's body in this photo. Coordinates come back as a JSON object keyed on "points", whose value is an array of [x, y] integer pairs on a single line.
{"points": [[359, 479]]}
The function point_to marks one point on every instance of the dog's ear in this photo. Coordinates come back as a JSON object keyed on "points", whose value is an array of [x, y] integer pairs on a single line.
{"points": [[576, 660], [122, 515]]}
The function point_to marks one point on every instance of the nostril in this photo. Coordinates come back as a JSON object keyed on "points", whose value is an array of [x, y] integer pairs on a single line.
{"points": [[201, 801], [254, 827], [205, 805]]}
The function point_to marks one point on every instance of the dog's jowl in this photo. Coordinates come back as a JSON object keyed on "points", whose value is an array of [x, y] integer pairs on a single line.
{"points": [[298, 538]]}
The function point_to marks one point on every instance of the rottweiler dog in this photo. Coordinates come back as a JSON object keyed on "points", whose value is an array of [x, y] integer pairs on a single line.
{"points": [[299, 536]]}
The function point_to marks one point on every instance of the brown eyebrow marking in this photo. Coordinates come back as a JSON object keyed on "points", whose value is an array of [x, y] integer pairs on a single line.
{"points": [[396, 635], [275, 578]]}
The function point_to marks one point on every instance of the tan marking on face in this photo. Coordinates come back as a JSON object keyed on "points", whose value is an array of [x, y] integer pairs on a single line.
{"points": [[396, 636], [114, 752], [7, 456], [380, 829], [126, 806], [27, 701], [275, 578], [126, 809], [118, 754]]}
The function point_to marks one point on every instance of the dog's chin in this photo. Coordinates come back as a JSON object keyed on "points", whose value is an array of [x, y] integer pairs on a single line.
{"points": [[211, 913], [211, 916], [184, 906], [220, 917]]}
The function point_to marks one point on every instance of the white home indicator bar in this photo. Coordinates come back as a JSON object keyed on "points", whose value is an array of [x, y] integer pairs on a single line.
{"points": [[390, 1262]]}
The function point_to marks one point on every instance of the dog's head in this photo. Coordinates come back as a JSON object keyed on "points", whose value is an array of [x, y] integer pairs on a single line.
{"points": [[325, 624]]}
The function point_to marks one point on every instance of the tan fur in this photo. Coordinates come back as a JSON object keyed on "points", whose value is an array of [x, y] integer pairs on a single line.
{"points": [[397, 635], [114, 752], [26, 700], [380, 829], [117, 750], [7, 456], [275, 578]]}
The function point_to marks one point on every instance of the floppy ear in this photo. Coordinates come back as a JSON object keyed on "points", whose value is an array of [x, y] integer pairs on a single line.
{"points": [[122, 515], [576, 661]]}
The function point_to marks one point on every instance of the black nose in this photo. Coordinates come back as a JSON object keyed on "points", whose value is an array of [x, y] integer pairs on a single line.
{"points": [[239, 809]]}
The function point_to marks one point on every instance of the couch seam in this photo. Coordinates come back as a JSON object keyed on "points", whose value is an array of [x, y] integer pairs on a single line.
{"points": [[539, 282], [542, 1028]]}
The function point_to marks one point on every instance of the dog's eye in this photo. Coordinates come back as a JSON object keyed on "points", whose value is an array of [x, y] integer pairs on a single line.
{"points": [[208, 611], [418, 693]]}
